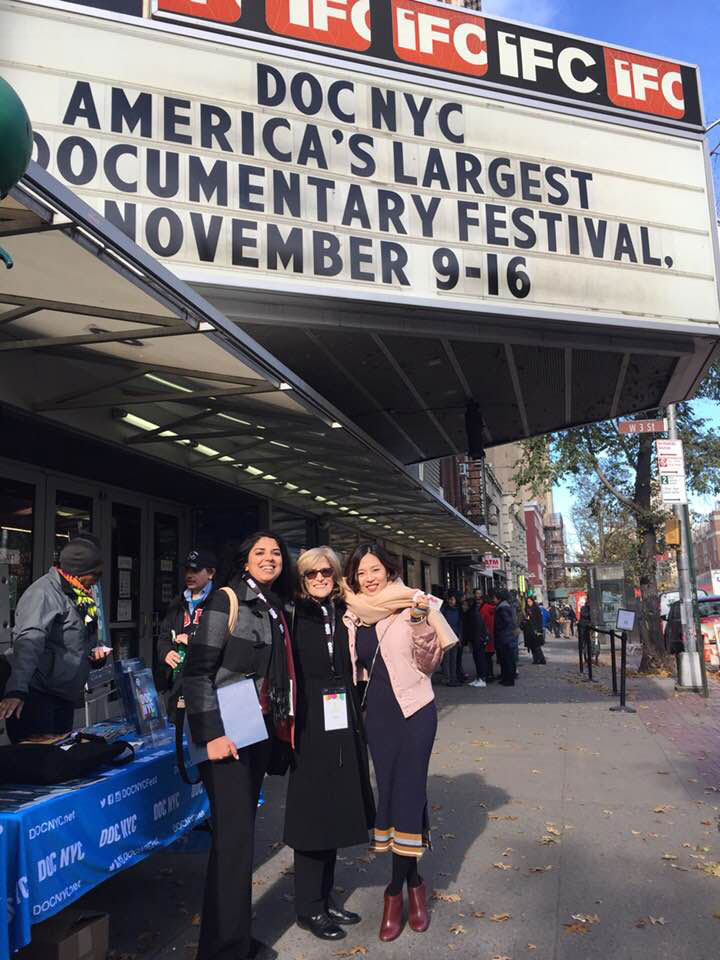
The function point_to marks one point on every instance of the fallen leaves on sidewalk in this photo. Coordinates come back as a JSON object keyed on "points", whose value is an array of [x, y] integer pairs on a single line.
{"points": [[503, 866], [495, 816], [446, 897], [653, 921], [500, 917], [663, 808], [669, 856], [358, 951], [547, 840], [456, 929], [541, 869], [581, 923], [551, 828], [712, 869]]}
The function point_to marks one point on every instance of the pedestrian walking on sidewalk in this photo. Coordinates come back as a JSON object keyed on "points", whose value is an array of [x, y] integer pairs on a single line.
{"points": [[258, 648], [571, 618], [533, 631], [454, 616], [505, 637], [329, 799], [396, 642]]}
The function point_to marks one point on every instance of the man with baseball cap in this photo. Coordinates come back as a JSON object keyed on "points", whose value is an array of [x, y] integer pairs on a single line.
{"points": [[54, 644], [182, 618]]}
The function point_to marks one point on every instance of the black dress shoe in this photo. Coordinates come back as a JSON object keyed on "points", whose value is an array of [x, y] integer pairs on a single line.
{"points": [[322, 927], [339, 915]]}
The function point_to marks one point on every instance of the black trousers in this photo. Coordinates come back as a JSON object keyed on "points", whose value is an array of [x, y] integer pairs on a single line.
{"points": [[478, 652], [314, 880], [489, 668], [537, 654], [506, 658], [233, 787], [459, 662], [42, 713]]}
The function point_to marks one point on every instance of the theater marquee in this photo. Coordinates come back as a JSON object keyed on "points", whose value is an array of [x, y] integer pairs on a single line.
{"points": [[246, 165]]}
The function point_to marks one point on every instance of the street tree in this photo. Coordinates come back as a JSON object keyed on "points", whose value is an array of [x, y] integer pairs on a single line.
{"points": [[623, 467]]}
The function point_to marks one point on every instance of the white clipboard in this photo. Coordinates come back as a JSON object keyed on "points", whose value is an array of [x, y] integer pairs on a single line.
{"points": [[241, 716]]}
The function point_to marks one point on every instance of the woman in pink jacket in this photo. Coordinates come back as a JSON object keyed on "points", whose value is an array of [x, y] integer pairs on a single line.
{"points": [[395, 645]]}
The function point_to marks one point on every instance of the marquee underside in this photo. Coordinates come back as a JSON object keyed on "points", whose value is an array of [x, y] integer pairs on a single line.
{"points": [[406, 375]]}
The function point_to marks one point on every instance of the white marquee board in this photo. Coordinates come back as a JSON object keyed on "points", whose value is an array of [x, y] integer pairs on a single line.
{"points": [[242, 166]]}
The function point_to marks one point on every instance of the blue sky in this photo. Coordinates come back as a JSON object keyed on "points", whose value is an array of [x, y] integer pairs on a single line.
{"points": [[688, 31]]}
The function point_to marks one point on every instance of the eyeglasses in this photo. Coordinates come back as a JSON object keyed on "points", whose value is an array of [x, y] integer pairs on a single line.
{"points": [[314, 574]]}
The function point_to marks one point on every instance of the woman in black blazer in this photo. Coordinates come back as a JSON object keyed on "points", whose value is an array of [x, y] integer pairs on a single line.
{"points": [[329, 800]]}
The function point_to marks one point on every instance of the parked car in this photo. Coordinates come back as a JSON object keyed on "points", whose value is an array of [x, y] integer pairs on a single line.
{"points": [[709, 624]]}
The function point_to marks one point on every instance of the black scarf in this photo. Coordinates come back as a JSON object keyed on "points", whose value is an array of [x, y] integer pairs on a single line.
{"points": [[278, 677]]}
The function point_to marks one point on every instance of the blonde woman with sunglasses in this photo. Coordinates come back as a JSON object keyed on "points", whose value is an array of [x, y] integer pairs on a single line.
{"points": [[329, 801]]}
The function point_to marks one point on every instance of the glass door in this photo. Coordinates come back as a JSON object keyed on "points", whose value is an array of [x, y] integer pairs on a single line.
{"points": [[18, 513], [123, 534], [166, 562]]}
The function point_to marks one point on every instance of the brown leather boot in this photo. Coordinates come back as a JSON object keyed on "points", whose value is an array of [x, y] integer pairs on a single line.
{"points": [[392, 921], [418, 912]]}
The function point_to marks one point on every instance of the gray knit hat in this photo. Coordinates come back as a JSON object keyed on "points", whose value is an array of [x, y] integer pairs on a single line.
{"points": [[82, 556]]}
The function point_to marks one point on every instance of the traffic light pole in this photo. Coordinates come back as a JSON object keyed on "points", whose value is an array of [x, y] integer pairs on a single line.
{"points": [[692, 674]]}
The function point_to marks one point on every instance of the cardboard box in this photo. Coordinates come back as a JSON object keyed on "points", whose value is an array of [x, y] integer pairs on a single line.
{"points": [[72, 935]]}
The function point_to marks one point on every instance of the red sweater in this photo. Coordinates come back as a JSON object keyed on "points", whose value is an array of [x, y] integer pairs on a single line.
{"points": [[487, 612]]}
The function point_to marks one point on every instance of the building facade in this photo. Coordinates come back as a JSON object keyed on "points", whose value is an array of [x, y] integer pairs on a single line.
{"points": [[555, 551], [706, 545], [535, 532]]}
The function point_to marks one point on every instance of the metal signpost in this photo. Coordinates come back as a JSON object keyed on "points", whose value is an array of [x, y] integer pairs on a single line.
{"points": [[671, 467]]}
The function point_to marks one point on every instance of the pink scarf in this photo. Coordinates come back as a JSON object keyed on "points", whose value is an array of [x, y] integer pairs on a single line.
{"points": [[370, 609]]}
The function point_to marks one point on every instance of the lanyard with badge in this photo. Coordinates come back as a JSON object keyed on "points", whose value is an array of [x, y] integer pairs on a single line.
{"points": [[335, 708], [278, 622]]}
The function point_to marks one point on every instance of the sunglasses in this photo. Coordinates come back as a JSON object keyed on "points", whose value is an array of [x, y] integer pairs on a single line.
{"points": [[325, 572]]}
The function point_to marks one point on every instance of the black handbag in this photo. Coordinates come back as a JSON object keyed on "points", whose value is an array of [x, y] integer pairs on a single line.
{"points": [[45, 764]]}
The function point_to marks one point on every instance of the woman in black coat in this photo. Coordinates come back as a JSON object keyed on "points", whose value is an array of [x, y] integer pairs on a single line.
{"points": [[534, 631], [329, 801]]}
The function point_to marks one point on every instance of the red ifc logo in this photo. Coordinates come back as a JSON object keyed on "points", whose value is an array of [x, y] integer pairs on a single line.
{"points": [[219, 11], [336, 23], [430, 36], [643, 83]]}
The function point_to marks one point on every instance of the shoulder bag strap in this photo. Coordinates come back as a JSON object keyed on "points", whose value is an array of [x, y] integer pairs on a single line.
{"points": [[234, 607], [372, 665]]}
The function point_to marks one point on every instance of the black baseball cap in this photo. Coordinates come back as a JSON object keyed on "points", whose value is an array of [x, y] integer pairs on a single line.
{"points": [[200, 558]]}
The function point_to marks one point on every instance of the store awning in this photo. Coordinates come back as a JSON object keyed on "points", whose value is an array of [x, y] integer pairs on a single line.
{"points": [[96, 335], [406, 374]]}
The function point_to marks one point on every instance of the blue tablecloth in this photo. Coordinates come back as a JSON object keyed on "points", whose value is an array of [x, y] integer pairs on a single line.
{"points": [[56, 843]]}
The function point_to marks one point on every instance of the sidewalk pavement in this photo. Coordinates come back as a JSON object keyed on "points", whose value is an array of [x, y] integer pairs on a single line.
{"points": [[561, 831]]}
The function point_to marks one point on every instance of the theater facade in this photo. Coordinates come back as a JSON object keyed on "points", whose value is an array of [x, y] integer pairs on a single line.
{"points": [[273, 259]]}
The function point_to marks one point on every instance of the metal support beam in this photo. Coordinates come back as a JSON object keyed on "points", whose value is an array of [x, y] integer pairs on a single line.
{"points": [[116, 336], [568, 385], [58, 402], [412, 390], [366, 393], [512, 367], [17, 314], [169, 396], [85, 310], [619, 386]]}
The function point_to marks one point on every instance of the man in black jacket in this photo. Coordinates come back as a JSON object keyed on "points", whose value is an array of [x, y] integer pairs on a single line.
{"points": [[183, 615], [55, 641], [505, 638]]}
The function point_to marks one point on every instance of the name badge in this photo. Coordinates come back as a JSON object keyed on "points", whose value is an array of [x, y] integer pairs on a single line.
{"points": [[335, 709]]}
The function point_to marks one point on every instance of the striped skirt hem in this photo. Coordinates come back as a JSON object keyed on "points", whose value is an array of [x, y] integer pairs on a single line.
{"points": [[395, 841]]}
